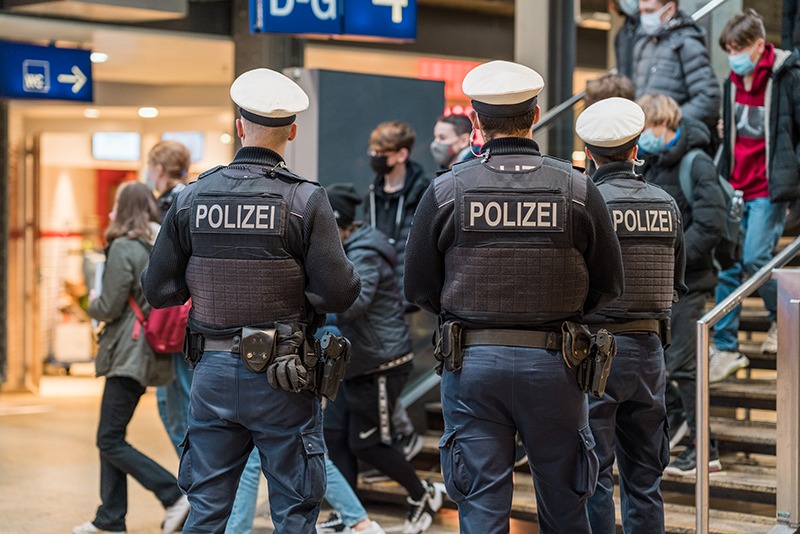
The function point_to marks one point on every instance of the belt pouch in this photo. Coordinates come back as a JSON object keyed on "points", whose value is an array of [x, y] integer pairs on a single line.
{"points": [[258, 348], [452, 352], [575, 344]]}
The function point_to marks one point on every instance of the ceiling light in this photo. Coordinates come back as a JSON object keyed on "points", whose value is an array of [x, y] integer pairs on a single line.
{"points": [[226, 139], [98, 57], [148, 113], [91, 113]]}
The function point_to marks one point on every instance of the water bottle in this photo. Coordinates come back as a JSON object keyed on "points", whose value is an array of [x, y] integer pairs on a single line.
{"points": [[737, 206]]}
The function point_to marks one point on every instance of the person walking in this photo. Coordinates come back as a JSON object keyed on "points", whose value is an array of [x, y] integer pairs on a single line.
{"points": [[129, 364]]}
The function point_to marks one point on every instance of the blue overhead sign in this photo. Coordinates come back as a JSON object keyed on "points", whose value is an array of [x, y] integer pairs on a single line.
{"points": [[394, 19], [45, 72]]}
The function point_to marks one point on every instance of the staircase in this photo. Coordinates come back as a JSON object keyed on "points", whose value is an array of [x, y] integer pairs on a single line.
{"points": [[743, 420]]}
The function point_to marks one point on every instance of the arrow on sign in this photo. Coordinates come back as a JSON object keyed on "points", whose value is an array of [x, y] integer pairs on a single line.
{"points": [[77, 78]]}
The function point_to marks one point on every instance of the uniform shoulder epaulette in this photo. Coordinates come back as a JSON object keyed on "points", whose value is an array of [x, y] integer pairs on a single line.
{"points": [[444, 188], [210, 171], [286, 173]]}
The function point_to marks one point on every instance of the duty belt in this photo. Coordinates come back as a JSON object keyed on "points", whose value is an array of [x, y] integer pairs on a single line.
{"points": [[513, 338], [641, 326], [226, 344]]}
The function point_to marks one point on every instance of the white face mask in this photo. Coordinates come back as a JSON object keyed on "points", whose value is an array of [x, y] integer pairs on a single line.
{"points": [[651, 22], [629, 7]]}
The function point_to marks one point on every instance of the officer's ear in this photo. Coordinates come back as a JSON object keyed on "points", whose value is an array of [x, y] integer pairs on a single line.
{"points": [[239, 129], [537, 114], [293, 131], [634, 153], [589, 156]]}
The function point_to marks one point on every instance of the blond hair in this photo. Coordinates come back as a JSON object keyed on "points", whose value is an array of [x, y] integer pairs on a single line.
{"points": [[660, 108]]}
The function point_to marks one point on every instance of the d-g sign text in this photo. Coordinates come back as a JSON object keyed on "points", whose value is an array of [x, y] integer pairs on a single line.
{"points": [[238, 216], [643, 221], [524, 213]]}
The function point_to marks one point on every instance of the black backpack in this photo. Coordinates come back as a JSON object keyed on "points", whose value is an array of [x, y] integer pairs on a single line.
{"points": [[729, 250]]}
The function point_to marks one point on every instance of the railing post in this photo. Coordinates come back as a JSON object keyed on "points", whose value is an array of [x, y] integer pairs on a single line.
{"points": [[788, 402], [701, 432]]}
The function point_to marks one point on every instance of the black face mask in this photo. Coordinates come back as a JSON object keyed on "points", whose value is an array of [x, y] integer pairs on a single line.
{"points": [[379, 165]]}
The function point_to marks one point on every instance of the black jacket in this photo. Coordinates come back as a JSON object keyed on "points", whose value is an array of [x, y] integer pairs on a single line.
{"points": [[783, 128], [374, 324], [676, 62], [703, 221], [790, 27], [387, 205], [624, 43]]}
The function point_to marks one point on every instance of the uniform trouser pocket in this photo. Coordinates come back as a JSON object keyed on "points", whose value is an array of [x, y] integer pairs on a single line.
{"points": [[453, 468], [185, 468], [313, 483], [665, 446], [588, 465]]}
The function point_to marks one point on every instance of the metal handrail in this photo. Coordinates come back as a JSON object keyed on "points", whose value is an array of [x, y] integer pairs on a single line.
{"points": [[704, 325], [554, 113]]}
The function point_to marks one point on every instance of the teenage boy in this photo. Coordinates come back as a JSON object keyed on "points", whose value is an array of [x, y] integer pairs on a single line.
{"points": [[761, 130]]}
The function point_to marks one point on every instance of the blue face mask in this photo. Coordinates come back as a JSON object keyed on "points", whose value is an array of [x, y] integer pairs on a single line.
{"points": [[651, 144], [629, 7], [741, 64], [651, 22]]}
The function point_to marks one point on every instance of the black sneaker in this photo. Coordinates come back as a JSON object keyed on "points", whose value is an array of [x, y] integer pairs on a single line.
{"points": [[686, 462], [331, 525], [419, 515], [678, 428]]}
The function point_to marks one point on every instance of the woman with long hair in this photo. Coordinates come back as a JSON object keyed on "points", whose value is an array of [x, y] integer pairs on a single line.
{"points": [[129, 365]]}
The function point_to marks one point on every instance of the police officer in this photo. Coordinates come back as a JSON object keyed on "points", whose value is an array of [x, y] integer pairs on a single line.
{"points": [[630, 417], [505, 248], [257, 249]]}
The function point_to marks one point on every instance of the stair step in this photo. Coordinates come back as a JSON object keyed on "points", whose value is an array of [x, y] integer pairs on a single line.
{"points": [[680, 519], [744, 436], [759, 394]]}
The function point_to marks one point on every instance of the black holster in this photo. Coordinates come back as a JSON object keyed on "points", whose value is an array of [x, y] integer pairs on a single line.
{"points": [[448, 349], [594, 371], [192, 348], [591, 355], [335, 353]]}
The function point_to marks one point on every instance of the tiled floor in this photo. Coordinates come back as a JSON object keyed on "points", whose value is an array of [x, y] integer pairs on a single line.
{"points": [[49, 469]]}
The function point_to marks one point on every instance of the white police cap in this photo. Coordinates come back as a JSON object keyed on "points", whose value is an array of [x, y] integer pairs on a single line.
{"points": [[611, 123], [502, 89], [268, 98]]}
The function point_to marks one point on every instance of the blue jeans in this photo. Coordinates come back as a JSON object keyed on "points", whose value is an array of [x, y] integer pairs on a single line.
{"points": [[244, 505], [498, 392], [341, 496], [173, 402], [762, 223]]}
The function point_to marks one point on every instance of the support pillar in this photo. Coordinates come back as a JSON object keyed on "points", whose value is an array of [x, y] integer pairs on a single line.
{"points": [[544, 39], [4, 257]]}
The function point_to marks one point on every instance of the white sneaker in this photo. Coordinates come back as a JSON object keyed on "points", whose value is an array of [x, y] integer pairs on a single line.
{"points": [[420, 513], [724, 363], [89, 528], [175, 515], [374, 528], [770, 344]]}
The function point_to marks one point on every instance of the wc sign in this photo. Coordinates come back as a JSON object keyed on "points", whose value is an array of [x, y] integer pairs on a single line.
{"points": [[45, 72], [392, 19]]}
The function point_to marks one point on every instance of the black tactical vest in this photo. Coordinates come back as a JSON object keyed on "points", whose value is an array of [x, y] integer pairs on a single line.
{"points": [[513, 260], [646, 222], [241, 272]]}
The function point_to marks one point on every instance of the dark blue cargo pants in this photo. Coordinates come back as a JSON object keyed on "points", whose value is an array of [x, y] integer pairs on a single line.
{"points": [[501, 391], [232, 409], [629, 421]]}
